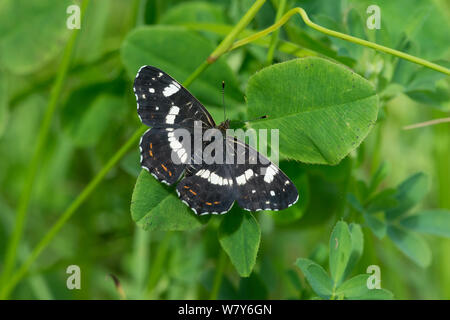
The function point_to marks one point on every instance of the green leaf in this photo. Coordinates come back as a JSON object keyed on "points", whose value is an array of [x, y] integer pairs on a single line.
{"points": [[435, 222], [377, 226], [340, 250], [322, 109], [357, 239], [166, 48], [156, 207], [382, 201], [409, 193], [356, 289], [317, 278], [239, 236], [354, 202], [32, 33], [411, 244]]}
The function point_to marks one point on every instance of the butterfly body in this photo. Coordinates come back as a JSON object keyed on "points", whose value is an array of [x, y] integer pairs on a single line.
{"points": [[206, 186]]}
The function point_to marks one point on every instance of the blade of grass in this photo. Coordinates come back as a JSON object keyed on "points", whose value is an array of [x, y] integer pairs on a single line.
{"points": [[219, 275], [158, 263], [274, 40], [25, 196]]}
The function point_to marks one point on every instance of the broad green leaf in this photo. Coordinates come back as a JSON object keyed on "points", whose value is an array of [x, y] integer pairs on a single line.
{"points": [[317, 278], [409, 193], [377, 226], [4, 108], [357, 238], [322, 109], [435, 222], [179, 52], [340, 249], [239, 236], [411, 244], [356, 289], [354, 202], [32, 33], [156, 207], [382, 201]]}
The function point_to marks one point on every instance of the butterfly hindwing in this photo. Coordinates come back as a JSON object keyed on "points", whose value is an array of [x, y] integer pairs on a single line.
{"points": [[207, 189], [261, 185], [163, 102]]}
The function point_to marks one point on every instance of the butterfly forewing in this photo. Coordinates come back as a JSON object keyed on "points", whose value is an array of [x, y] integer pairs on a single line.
{"points": [[163, 155], [163, 102]]}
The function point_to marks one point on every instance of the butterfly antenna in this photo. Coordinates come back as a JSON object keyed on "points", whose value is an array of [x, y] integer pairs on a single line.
{"points": [[259, 118], [223, 101]]}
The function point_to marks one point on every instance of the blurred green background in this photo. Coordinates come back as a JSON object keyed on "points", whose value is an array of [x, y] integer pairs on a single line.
{"points": [[96, 113]]}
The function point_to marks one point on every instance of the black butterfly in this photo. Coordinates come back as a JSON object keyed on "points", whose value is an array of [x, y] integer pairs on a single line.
{"points": [[165, 105]]}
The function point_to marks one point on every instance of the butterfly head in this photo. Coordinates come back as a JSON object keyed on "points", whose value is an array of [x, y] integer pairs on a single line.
{"points": [[224, 126]]}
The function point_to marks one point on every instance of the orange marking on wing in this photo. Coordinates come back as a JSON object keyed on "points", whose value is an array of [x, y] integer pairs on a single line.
{"points": [[216, 202], [151, 153], [208, 203], [170, 173], [194, 193], [151, 145], [186, 187], [164, 167]]}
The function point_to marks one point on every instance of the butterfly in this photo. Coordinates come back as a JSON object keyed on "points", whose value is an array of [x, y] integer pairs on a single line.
{"points": [[207, 188]]}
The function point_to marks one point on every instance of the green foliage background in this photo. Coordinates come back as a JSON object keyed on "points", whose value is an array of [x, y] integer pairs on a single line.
{"points": [[371, 193]]}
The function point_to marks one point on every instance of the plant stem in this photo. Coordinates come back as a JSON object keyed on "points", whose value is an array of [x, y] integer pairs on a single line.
{"points": [[70, 211], [218, 275], [274, 40], [226, 43], [25, 196], [339, 35]]}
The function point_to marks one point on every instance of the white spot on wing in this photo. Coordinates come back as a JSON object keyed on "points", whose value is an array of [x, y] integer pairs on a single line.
{"points": [[241, 179], [271, 171], [171, 89]]}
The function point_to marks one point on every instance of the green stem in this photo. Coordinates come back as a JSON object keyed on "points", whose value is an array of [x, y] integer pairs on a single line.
{"points": [[158, 264], [219, 275], [70, 211], [274, 40], [221, 49], [25, 196], [339, 35], [226, 43]]}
